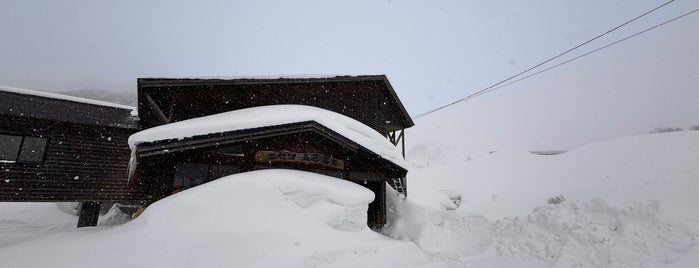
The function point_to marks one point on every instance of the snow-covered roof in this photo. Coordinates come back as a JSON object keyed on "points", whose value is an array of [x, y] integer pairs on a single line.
{"points": [[274, 115], [257, 77], [26, 103], [64, 97]]}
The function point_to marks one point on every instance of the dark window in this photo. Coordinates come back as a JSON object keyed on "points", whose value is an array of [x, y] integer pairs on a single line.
{"points": [[9, 147], [188, 175], [219, 171], [33, 150], [22, 149]]}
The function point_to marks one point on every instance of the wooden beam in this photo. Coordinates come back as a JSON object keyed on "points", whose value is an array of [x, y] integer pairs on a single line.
{"points": [[154, 107]]}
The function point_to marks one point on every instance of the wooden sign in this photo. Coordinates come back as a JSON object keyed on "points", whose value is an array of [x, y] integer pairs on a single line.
{"points": [[301, 158]]}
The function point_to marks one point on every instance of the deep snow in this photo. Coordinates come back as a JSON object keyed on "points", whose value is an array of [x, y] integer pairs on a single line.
{"points": [[270, 218], [629, 203], [654, 167]]}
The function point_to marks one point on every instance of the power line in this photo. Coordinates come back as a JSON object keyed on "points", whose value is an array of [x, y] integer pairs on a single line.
{"points": [[543, 62], [593, 51]]}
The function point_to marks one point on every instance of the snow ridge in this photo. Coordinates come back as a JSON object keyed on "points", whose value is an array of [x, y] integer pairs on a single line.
{"points": [[570, 234]]}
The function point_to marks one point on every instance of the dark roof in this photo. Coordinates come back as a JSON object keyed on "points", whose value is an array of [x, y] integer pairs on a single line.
{"points": [[391, 117], [56, 107]]}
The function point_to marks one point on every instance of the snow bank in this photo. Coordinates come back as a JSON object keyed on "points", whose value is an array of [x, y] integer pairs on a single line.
{"points": [[595, 234], [20, 221], [270, 218], [274, 115], [571, 234], [648, 181], [660, 167]]}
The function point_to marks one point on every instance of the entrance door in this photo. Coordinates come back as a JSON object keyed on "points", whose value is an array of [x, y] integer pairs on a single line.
{"points": [[376, 214]]}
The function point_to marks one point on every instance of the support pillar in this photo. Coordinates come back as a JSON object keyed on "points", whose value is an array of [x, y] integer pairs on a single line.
{"points": [[89, 214]]}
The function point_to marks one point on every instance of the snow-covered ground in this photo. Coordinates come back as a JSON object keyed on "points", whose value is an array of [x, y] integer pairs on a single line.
{"points": [[654, 167], [629, 202]]}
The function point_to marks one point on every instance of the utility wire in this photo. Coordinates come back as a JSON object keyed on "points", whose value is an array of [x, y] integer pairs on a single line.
{"points": [[543, 62], [593, 51]]}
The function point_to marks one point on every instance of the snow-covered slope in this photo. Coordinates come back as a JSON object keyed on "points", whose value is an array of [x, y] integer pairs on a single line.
{"points": [[630, 201], [20, 221], [655, 167]]}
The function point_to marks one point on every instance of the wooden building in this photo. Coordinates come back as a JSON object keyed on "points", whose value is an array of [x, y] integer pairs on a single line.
{"points": [[60, 148], [368, 99], [298, 141], [184, 154]]}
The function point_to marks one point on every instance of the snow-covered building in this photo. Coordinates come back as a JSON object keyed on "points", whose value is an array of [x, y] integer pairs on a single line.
{"points": [[190, 131], [198, 130], [61, 148]]}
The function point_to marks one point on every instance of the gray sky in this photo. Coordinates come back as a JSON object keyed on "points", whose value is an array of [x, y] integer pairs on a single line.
{"points": [[432, 51]]}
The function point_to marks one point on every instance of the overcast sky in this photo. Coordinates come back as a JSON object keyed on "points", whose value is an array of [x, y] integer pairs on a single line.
{"points": [[432, 51]]}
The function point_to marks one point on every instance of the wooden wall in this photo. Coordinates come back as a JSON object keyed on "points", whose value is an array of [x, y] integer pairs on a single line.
{"points": [[82, 163], [359, 166], [364, 101]]}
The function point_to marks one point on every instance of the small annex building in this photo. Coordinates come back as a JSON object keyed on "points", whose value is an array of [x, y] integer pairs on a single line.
{"points": [[57, 148]]}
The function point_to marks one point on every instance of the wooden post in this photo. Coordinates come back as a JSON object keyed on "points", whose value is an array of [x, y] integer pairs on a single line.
{"points": [[402, 140], [89, 214]]}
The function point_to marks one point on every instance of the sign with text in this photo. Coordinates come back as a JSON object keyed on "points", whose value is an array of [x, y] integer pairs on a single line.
{"points": [[302, 158]]}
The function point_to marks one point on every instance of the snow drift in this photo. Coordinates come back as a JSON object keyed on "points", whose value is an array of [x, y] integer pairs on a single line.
{"points": [[570, 234], [646, 215], [20, 221], [655, 167], [271, 218]]}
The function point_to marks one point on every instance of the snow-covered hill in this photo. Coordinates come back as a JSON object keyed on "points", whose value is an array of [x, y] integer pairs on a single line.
{"points": [[630, 201], [655, 167]]}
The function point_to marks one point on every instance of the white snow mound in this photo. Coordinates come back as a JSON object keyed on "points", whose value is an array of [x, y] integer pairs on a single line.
{"points": [[570, 234], [270, 218], [656, 167]]}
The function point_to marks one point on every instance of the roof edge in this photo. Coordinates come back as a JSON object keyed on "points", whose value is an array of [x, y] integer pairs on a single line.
{"points": [[56, 96]]}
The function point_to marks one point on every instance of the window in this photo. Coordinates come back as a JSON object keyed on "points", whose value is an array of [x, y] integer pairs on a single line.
{"points": [[33, 150], [22, 149], [9, 147], [188, 175]]}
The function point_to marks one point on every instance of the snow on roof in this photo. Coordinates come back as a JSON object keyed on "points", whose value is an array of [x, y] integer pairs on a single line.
{"points": [[273, 115], [265, 77], [65, 97]]}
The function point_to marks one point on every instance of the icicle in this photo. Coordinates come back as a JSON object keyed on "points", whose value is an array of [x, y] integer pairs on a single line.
{"points": [[132, 162]]}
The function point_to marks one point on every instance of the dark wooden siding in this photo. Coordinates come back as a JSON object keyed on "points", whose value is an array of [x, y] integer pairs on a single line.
{"points": [[82, 162], [365, 101]]}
